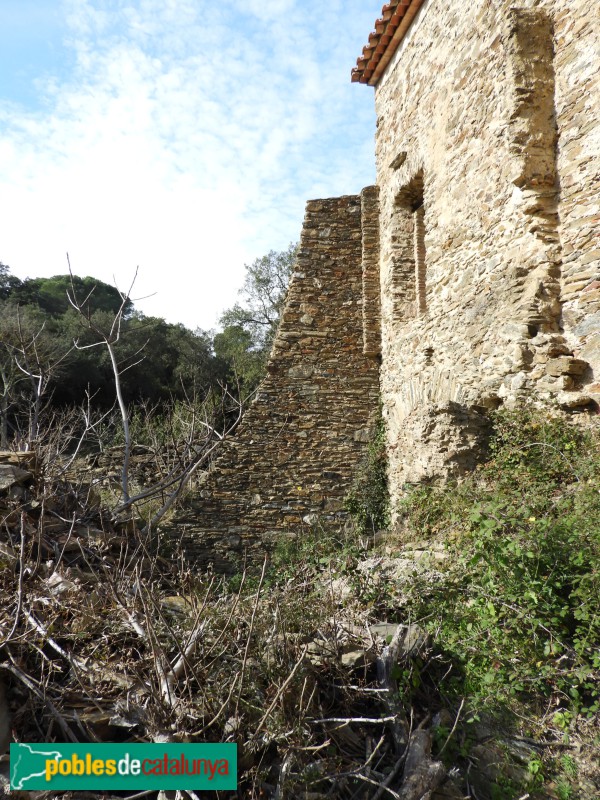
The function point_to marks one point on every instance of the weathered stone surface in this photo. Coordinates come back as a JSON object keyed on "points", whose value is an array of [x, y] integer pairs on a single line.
{"points": [[471, 269], [370, 271], [27, 459], [11, 476], [437, 441], [357, 658], [385, 630], [566, 366], [497, 110], [295, 452]]}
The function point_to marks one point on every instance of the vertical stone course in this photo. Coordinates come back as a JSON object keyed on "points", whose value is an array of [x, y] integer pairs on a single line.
{"points": [[532, 123], [296, 450], [371, 289], [577, 56], [420, 266], [398, 273]]}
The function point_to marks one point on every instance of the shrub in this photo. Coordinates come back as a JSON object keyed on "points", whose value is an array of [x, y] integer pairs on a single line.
{"points": [[516, 612], [368, 501]]}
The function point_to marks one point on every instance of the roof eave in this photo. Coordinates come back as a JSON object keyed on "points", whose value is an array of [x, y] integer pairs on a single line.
{"points": [[384, 41]]}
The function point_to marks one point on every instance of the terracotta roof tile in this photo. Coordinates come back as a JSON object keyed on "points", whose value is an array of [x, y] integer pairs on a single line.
{"points": [[390, 28]]}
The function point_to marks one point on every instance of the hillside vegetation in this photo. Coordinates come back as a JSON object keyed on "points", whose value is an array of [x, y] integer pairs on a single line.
{"points": [[513, 606], [52, 358], [459, 652]]}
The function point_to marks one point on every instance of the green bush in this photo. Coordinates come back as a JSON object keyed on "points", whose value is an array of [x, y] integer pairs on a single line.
{"points": [[315, 549], [368, 501], [517, 611]]}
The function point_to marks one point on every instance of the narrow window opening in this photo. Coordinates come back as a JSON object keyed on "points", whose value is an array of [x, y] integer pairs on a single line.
{"points": [[420, 267], [403, 263], [408, 251]]}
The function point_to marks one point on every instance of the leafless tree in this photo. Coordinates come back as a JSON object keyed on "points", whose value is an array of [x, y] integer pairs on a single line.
{"points": [[194, 449], [31, 356], [108, 338]]}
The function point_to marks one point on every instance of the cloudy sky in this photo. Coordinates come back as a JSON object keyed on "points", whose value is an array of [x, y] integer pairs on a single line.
{"points": [[180, 136]]}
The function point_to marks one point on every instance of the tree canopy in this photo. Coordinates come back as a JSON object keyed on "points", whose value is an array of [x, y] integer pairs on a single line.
{"points": [[263, 295], [50, 294], [158, 361], [250, 326]]}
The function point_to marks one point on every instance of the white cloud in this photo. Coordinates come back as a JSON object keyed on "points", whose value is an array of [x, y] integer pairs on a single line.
{"points": [[186, 141]]}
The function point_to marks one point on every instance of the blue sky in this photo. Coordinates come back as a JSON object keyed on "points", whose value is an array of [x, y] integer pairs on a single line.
{"points": [[180, 136]]}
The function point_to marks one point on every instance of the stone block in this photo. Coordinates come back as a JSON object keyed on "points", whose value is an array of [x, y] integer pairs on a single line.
{"points": [[303, 436], [565, 365], [10, 475]]}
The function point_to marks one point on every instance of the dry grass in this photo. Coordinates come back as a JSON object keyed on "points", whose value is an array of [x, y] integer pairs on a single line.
{"points": [[106, 637]]}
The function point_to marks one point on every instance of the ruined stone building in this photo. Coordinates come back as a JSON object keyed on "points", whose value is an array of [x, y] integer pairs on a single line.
{"points": [[469, 276]]}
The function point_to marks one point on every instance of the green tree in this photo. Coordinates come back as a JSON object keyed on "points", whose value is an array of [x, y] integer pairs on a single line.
{"points": [[8, 283], [50, 295], [263, 294], [168, 361], [250, 326], [198, 367], [31, 358], [245, 363], [158, 361]]}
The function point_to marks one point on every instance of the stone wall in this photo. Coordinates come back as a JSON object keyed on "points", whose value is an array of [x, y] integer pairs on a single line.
{"points": [[296, 450], [488, 168], [472, 270], [370, 270], [577, 66]]}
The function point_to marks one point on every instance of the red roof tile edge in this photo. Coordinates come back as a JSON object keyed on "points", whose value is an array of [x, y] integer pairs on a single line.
{"points": [[395, 20]]}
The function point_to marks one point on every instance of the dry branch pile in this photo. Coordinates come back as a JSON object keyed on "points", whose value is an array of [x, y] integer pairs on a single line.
{"points": [[107, 636]]}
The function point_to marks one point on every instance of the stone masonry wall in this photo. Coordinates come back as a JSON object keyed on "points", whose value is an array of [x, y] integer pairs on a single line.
{"points": [[577, 66], [471, 270], [296, 449], [370, 270], [488, 168]]}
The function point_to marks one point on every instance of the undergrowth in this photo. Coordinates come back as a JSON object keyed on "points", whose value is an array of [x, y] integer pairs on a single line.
{"points": [[368, 501], [514, 609], [518, 606]]}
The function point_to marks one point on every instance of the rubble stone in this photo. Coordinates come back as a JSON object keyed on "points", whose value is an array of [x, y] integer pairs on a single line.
{"points": [[294, 455], [13, 476], [471, 269]]}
